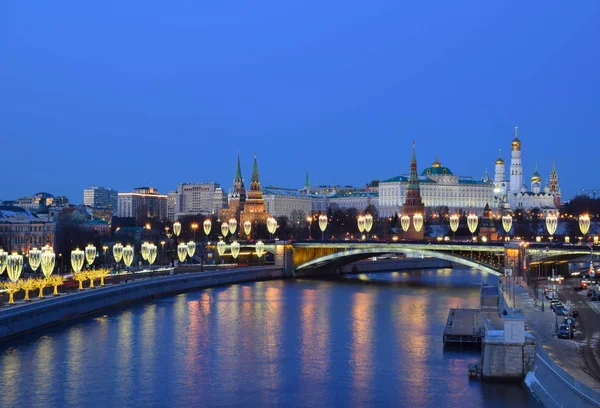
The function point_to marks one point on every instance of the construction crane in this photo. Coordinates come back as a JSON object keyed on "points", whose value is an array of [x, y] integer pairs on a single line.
{"points": [[590, 192]]}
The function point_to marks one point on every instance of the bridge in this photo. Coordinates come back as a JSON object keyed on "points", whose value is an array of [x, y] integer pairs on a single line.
{"points": [[304, 258]]}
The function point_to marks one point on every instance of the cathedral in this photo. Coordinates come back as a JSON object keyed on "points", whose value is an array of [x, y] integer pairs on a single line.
{"points": [[512, 193]]}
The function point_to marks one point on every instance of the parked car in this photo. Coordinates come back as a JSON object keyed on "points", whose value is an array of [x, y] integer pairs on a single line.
{"points": [[570, 321], [562, 311], [574, 312], [554, 303], [565, 332]]}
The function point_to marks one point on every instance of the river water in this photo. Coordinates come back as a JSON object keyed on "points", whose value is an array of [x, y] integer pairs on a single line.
{"points": [[363, 340]]}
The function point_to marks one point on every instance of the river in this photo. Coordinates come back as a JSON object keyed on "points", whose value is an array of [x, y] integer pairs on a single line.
{"points": [[362, 340]]}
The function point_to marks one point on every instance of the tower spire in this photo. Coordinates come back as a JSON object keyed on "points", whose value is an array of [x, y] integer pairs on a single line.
{"points": [[516, 131], [553, 166], [238, 170], [255, 178], [307, 182]]}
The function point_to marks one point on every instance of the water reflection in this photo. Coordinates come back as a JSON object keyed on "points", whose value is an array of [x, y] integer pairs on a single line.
{"points": [[372, 342]]}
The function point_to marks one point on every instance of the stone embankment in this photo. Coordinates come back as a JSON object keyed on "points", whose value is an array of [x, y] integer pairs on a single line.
{"points": [[17, 319]]}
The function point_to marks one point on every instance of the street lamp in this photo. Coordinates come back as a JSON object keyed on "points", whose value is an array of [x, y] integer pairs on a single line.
{"points": [[191, 248], [144, 250], [3, 256], [271, 226], [405, 222], [14, 266], [128, 255], [361, 224], [105, 248], [182, 252], [454, 221], [162, 244], [194, 228], [551, 224], [224, 230], [207, 226], [221, 248], [90, 254], [232, 226], [35, 257], [177, 228], [322, 225], [308, 224], [418, 221], [584, 224], [151, 253], [77, 258], [368, 224], [117, 252], [247, 228], [507, 220], [48, 262], [472, 221], [260, 250], [235, 249]]}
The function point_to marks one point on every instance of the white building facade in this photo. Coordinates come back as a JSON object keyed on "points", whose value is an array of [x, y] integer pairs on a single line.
{"points": [[439, 187], [21, 230], [514, 194]]}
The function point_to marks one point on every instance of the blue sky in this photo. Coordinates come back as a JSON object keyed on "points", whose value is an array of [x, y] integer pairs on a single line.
{"points": [[131, 93]]}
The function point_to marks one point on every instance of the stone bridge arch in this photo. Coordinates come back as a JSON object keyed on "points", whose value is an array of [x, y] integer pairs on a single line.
{"points": [[347, 256]]}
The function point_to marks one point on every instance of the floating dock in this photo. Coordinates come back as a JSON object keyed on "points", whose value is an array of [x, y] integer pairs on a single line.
{"points": [[464, 326]]}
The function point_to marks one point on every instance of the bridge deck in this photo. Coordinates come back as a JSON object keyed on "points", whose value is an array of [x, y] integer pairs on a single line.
{"points": [[464, 326]]}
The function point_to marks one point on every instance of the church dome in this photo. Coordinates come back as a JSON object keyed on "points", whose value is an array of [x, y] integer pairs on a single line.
{"points": [[523, 188], [436, 169], [536, 178], [516, 143], [500, 160]]}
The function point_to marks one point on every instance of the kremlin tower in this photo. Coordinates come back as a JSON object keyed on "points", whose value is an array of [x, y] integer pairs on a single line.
{"points": [[236, 197], [254, 208], [413, 203]]}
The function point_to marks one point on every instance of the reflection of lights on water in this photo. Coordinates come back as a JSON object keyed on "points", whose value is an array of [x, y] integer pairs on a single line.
{"points": [[363, 276]]}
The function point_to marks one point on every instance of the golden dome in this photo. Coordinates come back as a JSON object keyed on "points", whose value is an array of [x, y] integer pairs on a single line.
{"points": [[436, 163], [500, 160]]}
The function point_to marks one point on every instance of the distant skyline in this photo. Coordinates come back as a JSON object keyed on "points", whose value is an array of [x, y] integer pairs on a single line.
{"points": [[128, 94]]}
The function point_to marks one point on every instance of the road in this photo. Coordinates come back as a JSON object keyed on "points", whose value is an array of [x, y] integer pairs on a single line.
{"points": [[589, 321], [576, 356]]}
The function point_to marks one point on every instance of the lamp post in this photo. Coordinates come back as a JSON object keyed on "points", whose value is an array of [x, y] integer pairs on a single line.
{"points": [[232, 224], [221, 248], [322, 225], [584, 224], [454, 221], [90, 254], [418, 221], [405, 222], [368, 224], [48, 262], [260, 250], [14, 266], [77, 259], [177, 229], [551, 224], [162, 245], [308, 224], [194, 228], [271, 226], [128, 253], [224, 230], [235, 249], [472, 221], [247, 229], [207, 225], [152, 249], [361, 224], [35, 257], [105, 248], [507, 223], [182, 252], [118, 252]]}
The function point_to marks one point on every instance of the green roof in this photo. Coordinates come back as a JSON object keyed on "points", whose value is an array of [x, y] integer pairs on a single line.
{"points": [[436, 171]]}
